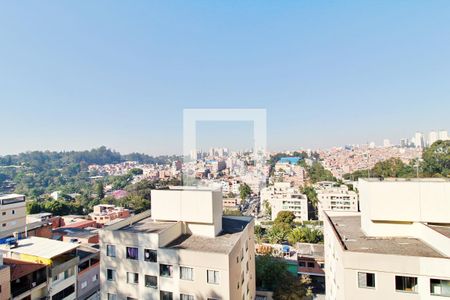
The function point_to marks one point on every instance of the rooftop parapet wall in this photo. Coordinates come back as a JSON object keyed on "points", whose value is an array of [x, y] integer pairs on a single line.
{"points": [[196, 206], [415, 200]]}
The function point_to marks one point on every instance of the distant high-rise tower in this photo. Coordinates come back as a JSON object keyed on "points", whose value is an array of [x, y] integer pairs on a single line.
{"points": [[443, 135], [418, 140], [404, 143], [432, 137]]}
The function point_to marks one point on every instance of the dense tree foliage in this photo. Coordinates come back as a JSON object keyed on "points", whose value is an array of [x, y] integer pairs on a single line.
{"points": [[272, 274], [316, 172], [436, 159], [244, 191], [285, 217], [304, 234], [56, 207], [39, 172]]}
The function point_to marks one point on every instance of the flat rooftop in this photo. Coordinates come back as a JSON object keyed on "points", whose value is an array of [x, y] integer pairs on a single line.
{"points": [[444, 230], [349, 231], [147, 225], [232, 228], [375, 179], [42, 247]]}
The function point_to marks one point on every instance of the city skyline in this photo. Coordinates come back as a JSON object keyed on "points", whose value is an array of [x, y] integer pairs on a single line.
{"points": [[77, 76]]}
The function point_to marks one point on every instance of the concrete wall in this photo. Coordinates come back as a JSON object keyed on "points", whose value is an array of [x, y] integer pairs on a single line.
{"points": [[88, 276], [191, 206], [424, 200], [5, 279]]}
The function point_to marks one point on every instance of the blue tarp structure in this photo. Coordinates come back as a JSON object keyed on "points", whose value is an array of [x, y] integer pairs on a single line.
{"points": [[290, 160]]}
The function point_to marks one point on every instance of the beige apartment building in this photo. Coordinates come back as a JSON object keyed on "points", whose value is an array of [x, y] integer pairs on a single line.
{"points": [[105, 213], [12, 214], [283, 196], [336, 199], [184, 249], [398, 247]]}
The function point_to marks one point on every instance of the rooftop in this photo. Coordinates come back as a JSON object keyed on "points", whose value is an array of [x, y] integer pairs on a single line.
{"points": [[8, 196], [223, 243], [147, 225], [376, 179], [444, 230], [42, 247], [349, 231]]}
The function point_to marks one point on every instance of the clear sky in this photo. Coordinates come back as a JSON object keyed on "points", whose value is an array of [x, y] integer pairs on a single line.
{"points": [[80, 74]]}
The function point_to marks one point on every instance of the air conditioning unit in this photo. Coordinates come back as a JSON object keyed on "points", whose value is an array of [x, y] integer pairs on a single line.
{"points": [[33, 284]]}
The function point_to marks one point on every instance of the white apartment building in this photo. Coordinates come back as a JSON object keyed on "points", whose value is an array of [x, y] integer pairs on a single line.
{"points": [[398, 247], [12, 214], [185, 250], [282, 196], [336, 199]]}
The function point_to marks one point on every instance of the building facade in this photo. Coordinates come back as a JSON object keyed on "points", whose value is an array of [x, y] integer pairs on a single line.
{"points": [[185, 250], [336, 199], [282, 196], [12, 214], [398, 247]]}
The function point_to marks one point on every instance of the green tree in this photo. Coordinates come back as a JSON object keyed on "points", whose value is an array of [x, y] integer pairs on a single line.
{"points": [[100, 190], [272, 274], [244, 191], [436, 159], [278, 233], [310, 192], [304, 234], [285, 217], [316, 172]]}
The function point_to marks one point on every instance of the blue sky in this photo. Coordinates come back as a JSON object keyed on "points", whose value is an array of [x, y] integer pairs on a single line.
{"points": [[80, 74]]}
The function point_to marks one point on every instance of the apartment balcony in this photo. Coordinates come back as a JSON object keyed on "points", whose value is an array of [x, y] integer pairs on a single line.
{"points": [[25, 285], [63, 263]]}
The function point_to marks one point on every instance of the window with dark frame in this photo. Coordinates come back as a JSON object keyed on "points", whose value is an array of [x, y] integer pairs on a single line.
{"points": [[366, 280]]}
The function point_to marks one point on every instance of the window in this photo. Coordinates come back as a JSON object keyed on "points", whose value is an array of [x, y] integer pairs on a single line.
{"points": [[64, 293], [366, 280], [246, 245], [213, 276], [186, 297], [302, 264], [4, 213], [151, 281], [165, 270], [186, 273], [112, 296], [132, 253], [13, 212], [406, 284], [150, 255], [310, 265], [163, 295], [131, 298], [83, 284], [68, 273], [111, 250], [111, 274], [95, 278], [132, 278], [440, 287]]}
